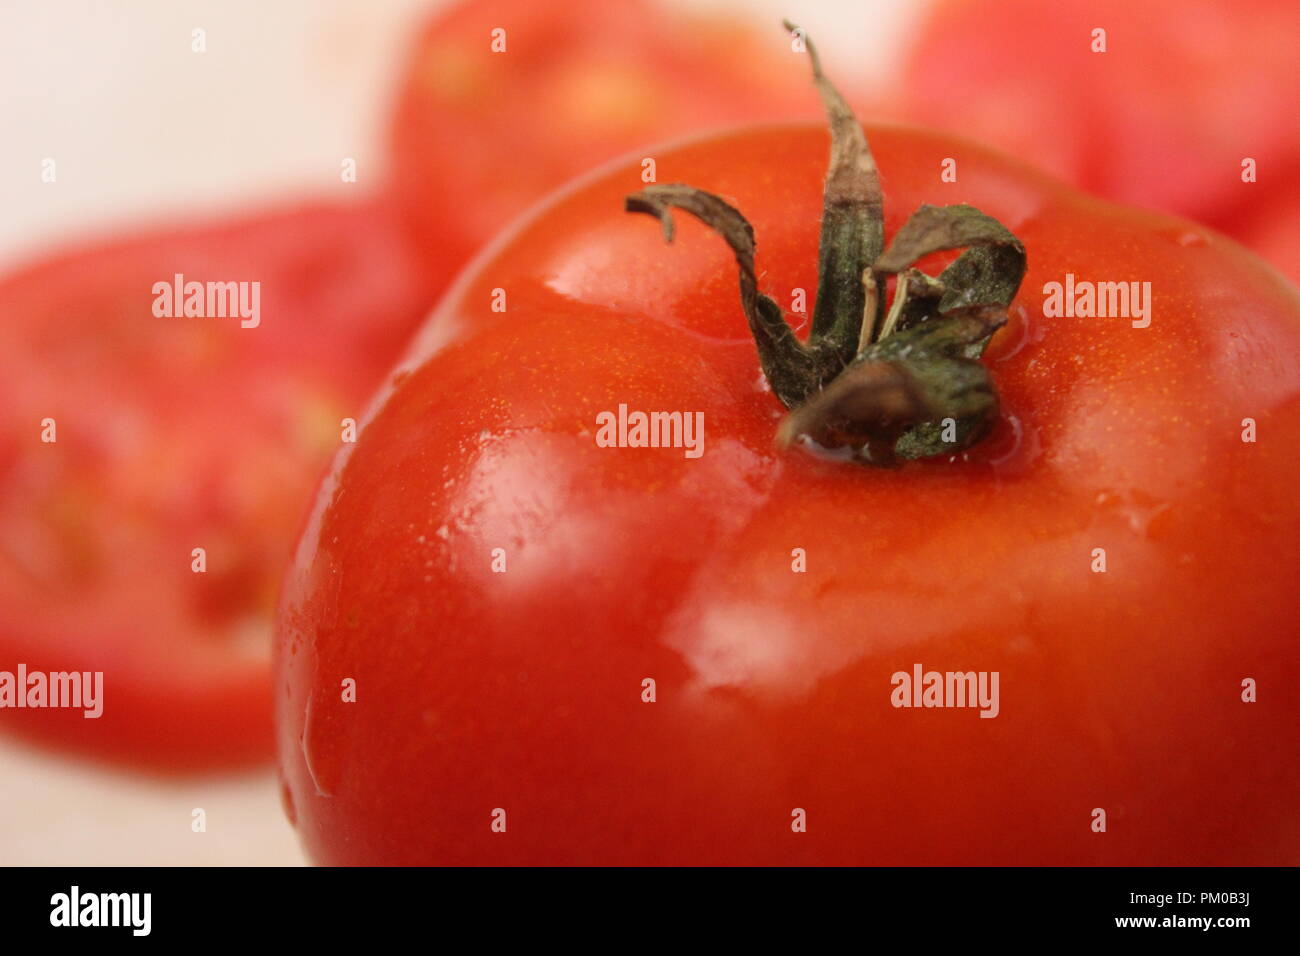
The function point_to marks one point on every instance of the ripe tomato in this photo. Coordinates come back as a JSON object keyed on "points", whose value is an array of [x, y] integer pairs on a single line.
{"points": [[484, 593], [174, 434], [478, 136], [1163, 118]]}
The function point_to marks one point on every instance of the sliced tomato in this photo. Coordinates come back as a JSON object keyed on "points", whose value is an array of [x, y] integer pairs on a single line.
{"points": [[174, 434]]}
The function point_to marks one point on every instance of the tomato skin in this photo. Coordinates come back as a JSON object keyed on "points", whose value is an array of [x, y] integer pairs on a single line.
{"points": [[522, 690], [1162, 119], [574, 88], [175, 433]]}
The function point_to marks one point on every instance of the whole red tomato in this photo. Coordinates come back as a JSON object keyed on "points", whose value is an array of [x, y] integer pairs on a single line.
{"points": [[1159, 109], [504, 642], [502, 101], [172, 433]]}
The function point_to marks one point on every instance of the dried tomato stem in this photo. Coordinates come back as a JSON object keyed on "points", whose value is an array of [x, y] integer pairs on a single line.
{"points": [[905, 383], [853, 221]]}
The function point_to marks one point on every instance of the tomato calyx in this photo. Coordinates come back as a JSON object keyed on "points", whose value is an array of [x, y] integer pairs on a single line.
{"points": [[902, 383]]}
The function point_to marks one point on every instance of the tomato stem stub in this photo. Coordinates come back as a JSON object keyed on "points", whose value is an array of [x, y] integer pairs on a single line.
{"points": [[902, 382]]}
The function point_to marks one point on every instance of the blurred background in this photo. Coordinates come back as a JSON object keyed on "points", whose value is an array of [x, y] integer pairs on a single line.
{"points": [[351, 155]]}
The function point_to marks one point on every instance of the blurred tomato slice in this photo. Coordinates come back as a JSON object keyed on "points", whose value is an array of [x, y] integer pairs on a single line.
{"points": [[174, 434]]}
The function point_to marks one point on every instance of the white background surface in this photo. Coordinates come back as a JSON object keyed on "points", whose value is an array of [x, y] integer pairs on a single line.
{"points": [[143, 129]]}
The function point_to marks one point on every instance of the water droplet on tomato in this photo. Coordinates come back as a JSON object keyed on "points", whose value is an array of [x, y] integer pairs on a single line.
{"points": [[1018, 333], [1147, 517], [1013, 448], [1184, 236]]}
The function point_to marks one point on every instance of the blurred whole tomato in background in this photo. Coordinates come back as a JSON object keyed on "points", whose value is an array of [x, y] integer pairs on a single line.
{"points": [[1163, 116], [487, 123]]}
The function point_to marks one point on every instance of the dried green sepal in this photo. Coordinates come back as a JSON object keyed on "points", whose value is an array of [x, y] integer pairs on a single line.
{"points": [[898, 383]]}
